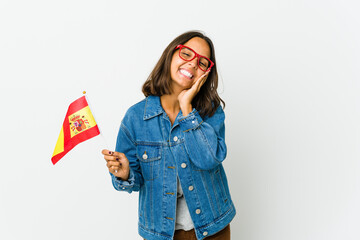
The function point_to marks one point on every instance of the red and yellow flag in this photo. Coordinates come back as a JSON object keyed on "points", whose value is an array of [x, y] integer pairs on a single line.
{"points": [[79, 125]]}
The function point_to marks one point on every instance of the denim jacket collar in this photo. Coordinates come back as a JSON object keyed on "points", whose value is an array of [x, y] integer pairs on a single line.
{"points": [[152, 107]]}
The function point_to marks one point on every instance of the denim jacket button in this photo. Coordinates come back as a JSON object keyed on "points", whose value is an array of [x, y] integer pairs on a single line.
{"points": [[145, 156], [183, 165], [175, 139], [205, 233], [192, 121], [191, 188], [198, 211]]}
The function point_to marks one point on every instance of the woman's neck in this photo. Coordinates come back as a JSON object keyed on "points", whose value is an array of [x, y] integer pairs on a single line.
{"points": [[170, 104]]}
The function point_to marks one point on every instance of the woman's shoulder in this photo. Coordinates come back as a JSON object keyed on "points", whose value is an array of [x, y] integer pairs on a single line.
{"points": [[144, 108], [139, 106]]}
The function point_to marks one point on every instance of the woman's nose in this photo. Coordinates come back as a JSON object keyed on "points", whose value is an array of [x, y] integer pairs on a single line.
{"points": [[194, 63]]}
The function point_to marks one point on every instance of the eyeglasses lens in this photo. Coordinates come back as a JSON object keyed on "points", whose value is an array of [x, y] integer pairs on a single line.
{"points": [[188, 55]]}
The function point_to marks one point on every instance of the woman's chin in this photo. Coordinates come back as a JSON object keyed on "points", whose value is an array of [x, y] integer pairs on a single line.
{"points": [[187, 86]]}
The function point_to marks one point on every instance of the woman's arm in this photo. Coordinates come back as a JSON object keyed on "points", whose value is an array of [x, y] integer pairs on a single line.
{"points": [[125, 144], [204, 140]]}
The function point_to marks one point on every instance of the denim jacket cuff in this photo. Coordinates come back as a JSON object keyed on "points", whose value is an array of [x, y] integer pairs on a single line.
{"points": [[191, 121], [120, 184]]}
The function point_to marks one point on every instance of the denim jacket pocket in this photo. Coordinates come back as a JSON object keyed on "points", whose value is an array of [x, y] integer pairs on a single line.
{"points": [[150, 158]]}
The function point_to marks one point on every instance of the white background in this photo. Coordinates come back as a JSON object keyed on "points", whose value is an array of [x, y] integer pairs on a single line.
{"points": [[289, 73]]}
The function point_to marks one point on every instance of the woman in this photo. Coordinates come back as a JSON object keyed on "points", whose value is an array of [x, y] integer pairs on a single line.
{"points": [[171, 145]]}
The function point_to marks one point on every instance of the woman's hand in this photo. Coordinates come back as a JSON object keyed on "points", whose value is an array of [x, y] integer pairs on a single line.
{"points": [[117, 163], [186, 96]]}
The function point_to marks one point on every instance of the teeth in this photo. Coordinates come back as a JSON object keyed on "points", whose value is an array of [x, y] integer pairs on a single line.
{"points": [[186, 73]]}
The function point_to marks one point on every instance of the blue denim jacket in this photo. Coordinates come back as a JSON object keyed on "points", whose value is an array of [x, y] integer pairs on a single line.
{"points": [[192, 149]]}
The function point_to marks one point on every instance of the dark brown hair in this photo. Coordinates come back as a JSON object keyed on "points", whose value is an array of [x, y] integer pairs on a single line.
{"points": [[158, 83]]}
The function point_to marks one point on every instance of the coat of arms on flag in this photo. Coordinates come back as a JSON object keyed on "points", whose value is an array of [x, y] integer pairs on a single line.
{"points": [[79, 121], [79, 125]]}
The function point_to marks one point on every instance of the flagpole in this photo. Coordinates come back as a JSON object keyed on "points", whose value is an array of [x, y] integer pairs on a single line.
{"points": [[102, 135], [88, 101]]}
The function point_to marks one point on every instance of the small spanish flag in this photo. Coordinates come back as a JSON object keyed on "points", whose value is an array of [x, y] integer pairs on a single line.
{"points": [[79, 125]]}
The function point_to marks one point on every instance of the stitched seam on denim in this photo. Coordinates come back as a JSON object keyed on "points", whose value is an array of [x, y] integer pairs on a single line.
{"points": [[127, 133], [152, 220], [140, 207], [195, 189], [209, 147], [194, 127], [133, 182], [207, 192], [149, 159], [151, 162], [152, 170], [222, 186], [146, 143], [177, 173], [145, 207], [150, 117], [163, 210], [147, 115], [157, 157], [152, 232], [213, 188], [120, 185], [151, 179], [146, 102], [171, 144], [189, 115], [217, 232], [231, 208]]}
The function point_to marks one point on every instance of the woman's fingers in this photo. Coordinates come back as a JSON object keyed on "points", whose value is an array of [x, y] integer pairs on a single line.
{"points": [[116, 157], [117, 163], [187, 95], [200, 81], [203, 80], [113, 164], [113, 168], [113, 156], [106, 152]]}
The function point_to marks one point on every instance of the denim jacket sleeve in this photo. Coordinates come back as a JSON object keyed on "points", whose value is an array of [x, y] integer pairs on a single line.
{"points": [[126, 145], [204, 138]]}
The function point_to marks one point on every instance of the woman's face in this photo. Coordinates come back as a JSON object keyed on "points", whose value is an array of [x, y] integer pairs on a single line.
{"points": [[183, 73]]}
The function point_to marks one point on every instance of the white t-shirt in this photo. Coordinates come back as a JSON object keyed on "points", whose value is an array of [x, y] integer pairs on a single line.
{"points": [[183, 218]]}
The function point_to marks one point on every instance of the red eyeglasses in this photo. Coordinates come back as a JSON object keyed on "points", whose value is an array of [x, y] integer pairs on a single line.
{"points": [[188, 54]]}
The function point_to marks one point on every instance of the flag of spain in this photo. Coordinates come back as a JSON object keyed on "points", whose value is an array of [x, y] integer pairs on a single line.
{"points": [[79, 125]]}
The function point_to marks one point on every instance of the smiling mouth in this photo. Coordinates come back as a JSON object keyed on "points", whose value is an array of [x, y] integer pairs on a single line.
{"points": [[186, 73]]}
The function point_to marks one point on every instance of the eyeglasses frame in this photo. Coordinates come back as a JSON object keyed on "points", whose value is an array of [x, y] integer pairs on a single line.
{"points": [[180, 46]]}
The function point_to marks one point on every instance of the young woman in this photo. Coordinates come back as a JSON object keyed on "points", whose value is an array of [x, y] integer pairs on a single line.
{"points": [[171, 145]]}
